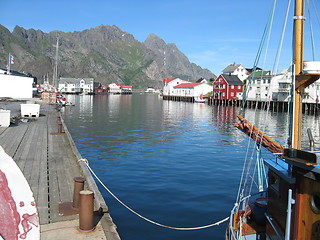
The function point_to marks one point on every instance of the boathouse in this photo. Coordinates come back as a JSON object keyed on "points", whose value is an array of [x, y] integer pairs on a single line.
{"points": [[227, 87]]}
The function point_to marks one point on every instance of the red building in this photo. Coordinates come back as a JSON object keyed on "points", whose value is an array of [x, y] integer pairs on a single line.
{"points": [[227, 87]]}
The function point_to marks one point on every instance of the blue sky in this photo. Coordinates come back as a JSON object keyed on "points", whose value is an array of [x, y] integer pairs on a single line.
{"points": [[211, 33]]}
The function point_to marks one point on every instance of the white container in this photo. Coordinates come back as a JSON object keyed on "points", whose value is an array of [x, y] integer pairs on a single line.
{"points": [[4, 118], [30, 110]]}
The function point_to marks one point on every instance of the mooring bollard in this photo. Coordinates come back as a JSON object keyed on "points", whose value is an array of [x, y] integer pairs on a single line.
{"points": [[59, 127], [86, 223], [78, 186]]}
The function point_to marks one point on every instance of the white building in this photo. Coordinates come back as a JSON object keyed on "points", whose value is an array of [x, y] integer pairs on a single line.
{"points": [[18, 87], [196, 90], [114, 88], [169, 84], [261, 87], [277, 88], [236, 69], [76, 85]]}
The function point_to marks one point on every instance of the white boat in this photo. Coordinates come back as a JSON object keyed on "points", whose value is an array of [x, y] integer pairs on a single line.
{"points": [[199, 99], [19, 217], [151, 90]]}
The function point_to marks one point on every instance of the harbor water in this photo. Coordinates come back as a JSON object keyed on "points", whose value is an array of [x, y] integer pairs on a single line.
{"points": [[175, 163]]}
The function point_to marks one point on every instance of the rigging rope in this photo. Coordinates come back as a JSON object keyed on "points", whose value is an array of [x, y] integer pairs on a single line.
{"points": [[276, 63], [243, 186], [146, 219]]}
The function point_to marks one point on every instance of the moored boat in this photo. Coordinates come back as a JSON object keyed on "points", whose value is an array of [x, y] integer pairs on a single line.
{"points": [[286, 204]]}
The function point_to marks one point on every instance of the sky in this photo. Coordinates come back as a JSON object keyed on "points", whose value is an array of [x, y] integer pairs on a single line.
{"points": [[211, 33]]}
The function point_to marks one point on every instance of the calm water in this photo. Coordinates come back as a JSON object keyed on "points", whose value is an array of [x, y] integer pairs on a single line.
{"points": [[176, 163]]}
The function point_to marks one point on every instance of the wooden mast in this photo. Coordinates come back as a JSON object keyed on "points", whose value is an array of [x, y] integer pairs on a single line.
{"points": [[298, 68], [302, 80]]}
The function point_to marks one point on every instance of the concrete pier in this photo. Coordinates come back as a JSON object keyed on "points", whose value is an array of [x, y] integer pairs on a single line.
{"points": [[46, 154]]}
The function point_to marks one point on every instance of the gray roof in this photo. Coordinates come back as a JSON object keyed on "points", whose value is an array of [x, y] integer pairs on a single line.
{"points": [[75, 80], [231, 68], [232, 79]]}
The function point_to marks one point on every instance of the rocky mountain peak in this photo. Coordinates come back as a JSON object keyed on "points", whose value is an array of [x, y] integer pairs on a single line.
{"points": [[105, 53]]}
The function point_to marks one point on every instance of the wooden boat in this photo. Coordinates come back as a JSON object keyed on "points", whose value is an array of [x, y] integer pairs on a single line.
{"points": [[289, 207]]}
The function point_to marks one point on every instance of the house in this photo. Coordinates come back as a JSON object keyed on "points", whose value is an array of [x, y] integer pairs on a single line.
{"points": [[281, 84], [114, 88], [227, 87], [98, 88], [126, 89], [117, 88], [237, 70], [169, 83], [196, 90], [202, 80], [261, 86], [76, 85]]}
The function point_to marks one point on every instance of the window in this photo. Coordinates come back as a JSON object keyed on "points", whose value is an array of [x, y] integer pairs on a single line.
{"points": [[232, 86], [239, 87], [223, 94], [232, 94]]}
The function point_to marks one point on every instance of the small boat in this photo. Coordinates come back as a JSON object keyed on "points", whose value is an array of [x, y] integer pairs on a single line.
{"points": [[286, 204], [151, 90], [61, 100], [199, 99]]}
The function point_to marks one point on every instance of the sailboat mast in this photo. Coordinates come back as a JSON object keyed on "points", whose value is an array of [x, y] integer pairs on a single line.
{"points": [[298, 52], [55, 72]]}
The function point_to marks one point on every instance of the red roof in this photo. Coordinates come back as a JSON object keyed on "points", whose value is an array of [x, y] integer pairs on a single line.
{"points": [[166, 80], [187, 85], [126, 87]]}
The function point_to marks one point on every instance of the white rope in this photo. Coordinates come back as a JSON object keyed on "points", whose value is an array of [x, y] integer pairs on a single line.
{"points": [[146, 219]]}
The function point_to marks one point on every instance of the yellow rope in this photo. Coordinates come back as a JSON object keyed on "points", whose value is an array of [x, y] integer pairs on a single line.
{"points": [[146, 219]]}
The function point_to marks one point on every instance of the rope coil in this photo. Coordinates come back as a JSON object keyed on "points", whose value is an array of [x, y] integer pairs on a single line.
{"points": [[144, 218]]}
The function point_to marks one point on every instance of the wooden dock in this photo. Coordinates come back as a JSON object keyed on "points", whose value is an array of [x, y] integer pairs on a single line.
{"points": [[49, 161]]}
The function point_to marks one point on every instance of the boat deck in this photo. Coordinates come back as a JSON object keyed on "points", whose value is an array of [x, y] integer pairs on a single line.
{"points": [[48, 163]]}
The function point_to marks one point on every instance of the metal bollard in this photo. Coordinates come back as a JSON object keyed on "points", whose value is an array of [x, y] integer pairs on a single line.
{"points": [[86, 223], [59, 127], [78, 186]]}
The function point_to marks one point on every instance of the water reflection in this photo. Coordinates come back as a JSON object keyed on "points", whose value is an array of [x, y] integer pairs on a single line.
{"points": [[171, 161]]}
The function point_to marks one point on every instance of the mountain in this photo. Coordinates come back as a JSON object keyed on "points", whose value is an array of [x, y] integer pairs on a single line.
{"points": [[105, 53]]}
